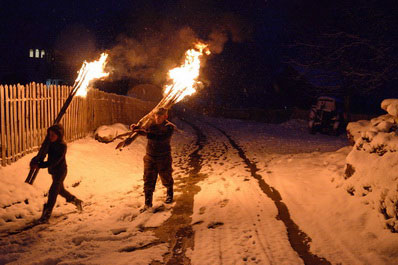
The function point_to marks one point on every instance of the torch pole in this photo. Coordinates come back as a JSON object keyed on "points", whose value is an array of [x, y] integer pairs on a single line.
{"points": [[44, 146], [142, 123], [167, 102]]}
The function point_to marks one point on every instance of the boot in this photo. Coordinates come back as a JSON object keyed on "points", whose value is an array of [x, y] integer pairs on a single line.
{"points": [[148, 201], [169, 198], [46, 214], [78, 204], [145, 208]]}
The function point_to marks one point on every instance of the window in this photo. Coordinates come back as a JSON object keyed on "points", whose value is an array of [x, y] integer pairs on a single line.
{"points": [[31, 53], [42, 54], [37, 53]]}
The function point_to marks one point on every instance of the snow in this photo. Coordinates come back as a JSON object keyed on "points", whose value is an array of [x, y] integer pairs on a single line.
{"points": [[108, 133], [110, 184], [383, 123], [343, 228], [391, 106], [372, 165], [233, 220]]}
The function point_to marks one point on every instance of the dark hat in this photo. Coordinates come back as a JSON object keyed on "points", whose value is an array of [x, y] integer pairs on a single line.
{"points": [[58, 129], [161, 111]]}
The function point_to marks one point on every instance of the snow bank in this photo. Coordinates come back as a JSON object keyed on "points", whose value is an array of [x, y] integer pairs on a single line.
{"points": [[383, 123], [372, 165], [108, 133], [391, 106]]}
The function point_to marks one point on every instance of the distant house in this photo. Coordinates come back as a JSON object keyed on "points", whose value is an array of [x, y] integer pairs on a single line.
{"points": [[55, 82], [33, 63], [38, 64]]}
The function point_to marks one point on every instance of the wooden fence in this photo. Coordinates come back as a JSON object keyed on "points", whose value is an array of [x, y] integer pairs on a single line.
{"points": [[27, 111]]}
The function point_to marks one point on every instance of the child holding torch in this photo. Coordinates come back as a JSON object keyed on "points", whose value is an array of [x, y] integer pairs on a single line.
{"points": [[57, 168], [158, 160]]}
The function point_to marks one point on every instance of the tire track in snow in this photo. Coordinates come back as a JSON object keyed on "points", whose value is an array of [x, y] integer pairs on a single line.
{"points": [[272, 245], [297, 238], [178, 228]]}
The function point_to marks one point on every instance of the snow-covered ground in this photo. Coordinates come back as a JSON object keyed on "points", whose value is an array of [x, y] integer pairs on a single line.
{"points": [[343, 229], [246, 193], [109, 231]]}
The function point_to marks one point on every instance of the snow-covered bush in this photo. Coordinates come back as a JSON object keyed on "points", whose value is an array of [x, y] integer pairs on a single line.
{"points": [[384, 123], [372, 165], [108, 133]]}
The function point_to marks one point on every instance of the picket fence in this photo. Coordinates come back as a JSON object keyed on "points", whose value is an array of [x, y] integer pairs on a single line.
{"points": [[26, 111]]}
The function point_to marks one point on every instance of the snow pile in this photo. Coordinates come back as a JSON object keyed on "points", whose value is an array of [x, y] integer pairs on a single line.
{"points": [[372, 164], [384, 123], [108, 133], [391, 106]]}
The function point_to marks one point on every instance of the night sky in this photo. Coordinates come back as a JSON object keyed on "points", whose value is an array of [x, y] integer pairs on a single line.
{"points": [[277, 53]]}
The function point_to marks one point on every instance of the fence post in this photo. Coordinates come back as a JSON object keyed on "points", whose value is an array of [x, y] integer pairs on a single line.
{"points": [[31, 126], [3, 127], [14, 135], [20, 130]]}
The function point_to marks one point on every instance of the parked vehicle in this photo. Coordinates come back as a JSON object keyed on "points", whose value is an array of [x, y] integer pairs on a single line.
{"points": [[326, 116]]}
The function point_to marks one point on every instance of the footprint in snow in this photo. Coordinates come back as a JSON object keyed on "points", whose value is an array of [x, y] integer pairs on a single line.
{"points": [[223, 203], [202, 210], [214, 225], [118, 231]]}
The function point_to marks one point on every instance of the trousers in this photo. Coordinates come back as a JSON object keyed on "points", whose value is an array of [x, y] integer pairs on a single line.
{"points": [[154, 166], [57, 187]]}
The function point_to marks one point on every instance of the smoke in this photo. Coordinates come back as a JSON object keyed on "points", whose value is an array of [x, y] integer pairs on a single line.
{"points": [[150, 55], [153, 51], [74, 45], [228, 27]]}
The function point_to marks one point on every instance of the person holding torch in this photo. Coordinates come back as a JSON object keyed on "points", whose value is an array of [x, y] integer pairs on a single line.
{"points": [[54, 146], [158, 130], [158, 160], [57, 168]]}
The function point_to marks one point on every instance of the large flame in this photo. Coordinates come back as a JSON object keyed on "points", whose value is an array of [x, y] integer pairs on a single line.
{"points": [[90, 71], [184, 79]]}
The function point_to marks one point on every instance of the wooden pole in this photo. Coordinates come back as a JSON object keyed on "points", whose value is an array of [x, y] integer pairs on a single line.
{"points": [[20, 128], [14, 133], [44, 146], [8, 128], [3, 126]]}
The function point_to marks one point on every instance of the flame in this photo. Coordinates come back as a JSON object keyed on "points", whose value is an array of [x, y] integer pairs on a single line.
{"points": [[184, 78], [90, 71]]}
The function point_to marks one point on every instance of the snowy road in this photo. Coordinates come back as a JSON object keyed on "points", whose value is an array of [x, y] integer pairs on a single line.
{"points": [[246, 193]]}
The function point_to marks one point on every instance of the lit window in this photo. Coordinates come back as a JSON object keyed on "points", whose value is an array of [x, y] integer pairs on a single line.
{"points": [[37, 53], [31, 53], [42, 54]]}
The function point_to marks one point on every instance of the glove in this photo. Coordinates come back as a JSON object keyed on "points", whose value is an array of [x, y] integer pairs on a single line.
{"points": [[34, 163]]}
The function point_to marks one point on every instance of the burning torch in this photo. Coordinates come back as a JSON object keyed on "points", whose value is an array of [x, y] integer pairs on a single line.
{"points": [[184, 81], [87, 73]]}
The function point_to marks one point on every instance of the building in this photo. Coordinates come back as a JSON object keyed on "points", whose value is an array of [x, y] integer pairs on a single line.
{"points": [[31, 63]]}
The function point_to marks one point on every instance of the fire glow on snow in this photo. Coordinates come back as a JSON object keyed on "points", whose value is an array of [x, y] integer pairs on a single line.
{"points": [[90, 71], [184, 78]]}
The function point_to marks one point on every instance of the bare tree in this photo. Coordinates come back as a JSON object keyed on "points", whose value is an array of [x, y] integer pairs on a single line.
{"points": [[357, 47]]}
